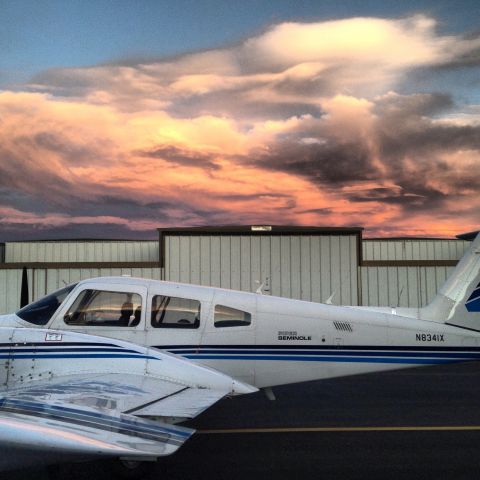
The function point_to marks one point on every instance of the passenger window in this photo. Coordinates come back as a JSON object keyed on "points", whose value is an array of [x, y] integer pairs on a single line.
{"points": [[231, 317], [103, 308], [173, 312]]}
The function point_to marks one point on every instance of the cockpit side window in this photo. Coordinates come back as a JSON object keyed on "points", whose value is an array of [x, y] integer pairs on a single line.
{"points": [[174, 312], [41, 311], [105, 308], [231, 317]]}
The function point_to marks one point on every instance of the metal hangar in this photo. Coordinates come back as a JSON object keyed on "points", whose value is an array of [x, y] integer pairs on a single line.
{"points": [[309, 263]]}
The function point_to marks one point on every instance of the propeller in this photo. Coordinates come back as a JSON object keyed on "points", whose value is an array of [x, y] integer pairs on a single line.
{"points": [[24, 290]]}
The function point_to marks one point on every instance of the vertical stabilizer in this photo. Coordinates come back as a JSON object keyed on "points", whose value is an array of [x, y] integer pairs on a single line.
{"points": [[458, 301]]}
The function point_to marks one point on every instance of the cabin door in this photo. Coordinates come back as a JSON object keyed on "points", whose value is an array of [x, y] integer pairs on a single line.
{"points": [[228, 342]]}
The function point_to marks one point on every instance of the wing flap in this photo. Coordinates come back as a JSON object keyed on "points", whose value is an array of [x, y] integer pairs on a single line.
{"points": [[187, 403], [85, 431]]}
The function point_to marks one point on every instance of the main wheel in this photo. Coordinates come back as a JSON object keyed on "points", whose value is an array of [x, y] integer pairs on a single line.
{"points": [[131, 469]]}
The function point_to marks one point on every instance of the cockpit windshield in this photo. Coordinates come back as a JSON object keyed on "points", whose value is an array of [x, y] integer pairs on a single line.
{"points": [[41, 311]]}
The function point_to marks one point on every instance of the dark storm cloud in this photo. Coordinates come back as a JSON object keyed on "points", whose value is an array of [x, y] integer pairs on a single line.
{"points": [[324, 164], [20, 171], [76, 153], [394, 105], [424, 137], [239, 197], [408, 150], [62, 82], [418, 197], [16, 232], [24, 202], [319, 211], [414, 150], [405, 126], [469, 58], [180, 156], [232, 104]]}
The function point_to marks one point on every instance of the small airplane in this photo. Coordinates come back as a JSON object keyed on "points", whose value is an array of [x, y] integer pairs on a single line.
{"points": [[139, 356]]}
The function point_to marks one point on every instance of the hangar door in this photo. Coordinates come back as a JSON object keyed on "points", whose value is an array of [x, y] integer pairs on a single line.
{"points": [[307, 267]]}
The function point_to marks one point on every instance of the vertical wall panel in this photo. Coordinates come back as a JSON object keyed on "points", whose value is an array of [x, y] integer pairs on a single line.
{"points": [[245, 264], [335, 270], [235, 263], [3, 291], [275, 266], [225, 256], [285, 290], [265, 262], [172, 260], [305, 268], [184, 258], [215, 261], [345, 271], [195, 268], [205, 260], [325, 269], [315, 271], [295, 267], [255, 262]]}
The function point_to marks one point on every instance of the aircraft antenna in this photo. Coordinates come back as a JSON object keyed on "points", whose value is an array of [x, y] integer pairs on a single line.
{"points": [[259, 290], [328, 301]]}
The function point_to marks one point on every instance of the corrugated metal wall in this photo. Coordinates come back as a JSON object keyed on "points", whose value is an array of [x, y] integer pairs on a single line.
{"points": [[10, 285], [413, 249], [406, 286], [308, 267], [88, 251], [401, 286]]}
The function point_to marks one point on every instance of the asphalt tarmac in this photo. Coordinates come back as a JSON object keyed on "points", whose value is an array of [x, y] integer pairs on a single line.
{"points": [[418, 423]]}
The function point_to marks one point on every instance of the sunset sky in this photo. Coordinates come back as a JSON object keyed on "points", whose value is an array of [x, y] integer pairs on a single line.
{"points": [[118, 117]]}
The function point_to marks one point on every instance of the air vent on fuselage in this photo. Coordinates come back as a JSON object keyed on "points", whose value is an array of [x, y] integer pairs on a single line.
{"points": [[343, 326]]}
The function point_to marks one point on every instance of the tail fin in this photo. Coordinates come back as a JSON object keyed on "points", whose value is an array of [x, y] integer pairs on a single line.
{"points": [[458, 301]]}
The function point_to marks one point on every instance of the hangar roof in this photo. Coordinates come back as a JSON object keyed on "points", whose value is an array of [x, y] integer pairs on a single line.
{"points": [[260, 230]]}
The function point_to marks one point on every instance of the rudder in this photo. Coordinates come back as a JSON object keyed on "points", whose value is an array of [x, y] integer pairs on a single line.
{"points": [[458, 301]]}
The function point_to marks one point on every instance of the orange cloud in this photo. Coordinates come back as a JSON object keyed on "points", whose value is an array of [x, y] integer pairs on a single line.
{"points": [[297, 125]]}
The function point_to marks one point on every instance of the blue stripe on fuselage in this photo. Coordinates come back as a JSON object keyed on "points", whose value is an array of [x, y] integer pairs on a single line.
{"points": [[334, 352], [343, 359], [303, 353], [68, 350]]}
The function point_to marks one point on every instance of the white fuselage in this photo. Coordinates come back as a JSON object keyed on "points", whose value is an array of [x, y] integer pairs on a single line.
{"points": [[286, 341]]}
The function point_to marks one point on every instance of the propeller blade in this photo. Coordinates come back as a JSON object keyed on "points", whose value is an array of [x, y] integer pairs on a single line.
{"points": [[24, 291]]}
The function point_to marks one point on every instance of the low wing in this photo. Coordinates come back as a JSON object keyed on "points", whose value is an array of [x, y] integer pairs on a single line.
{"points": [[101, 416]]}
